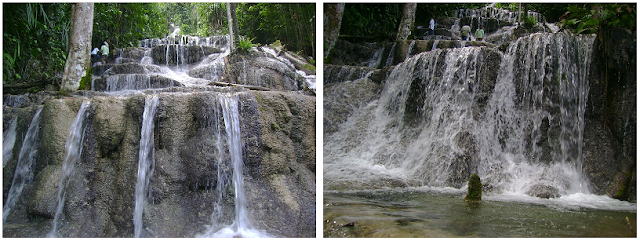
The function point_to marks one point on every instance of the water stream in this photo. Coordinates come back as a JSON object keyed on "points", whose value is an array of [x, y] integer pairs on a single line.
{"points": [[241, 226], [8, 140], [26, 163], [73, 150], [146, 162]]}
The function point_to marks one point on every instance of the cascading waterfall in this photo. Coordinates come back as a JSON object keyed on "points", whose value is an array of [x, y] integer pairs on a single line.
{"points": [[427, 128], [542, 87], [8, 141], [26, 163], [146, 162], [73, 151], [241, 226], [128, 82]]}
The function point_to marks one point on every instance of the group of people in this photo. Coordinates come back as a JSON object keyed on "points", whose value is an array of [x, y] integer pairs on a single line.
{"points": [[464, 32], [104, 51]]}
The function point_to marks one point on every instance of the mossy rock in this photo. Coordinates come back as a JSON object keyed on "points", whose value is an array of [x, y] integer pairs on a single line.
{"points": [[475, 189]]}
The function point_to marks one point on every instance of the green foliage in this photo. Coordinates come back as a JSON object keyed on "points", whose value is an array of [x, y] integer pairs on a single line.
{"points": [[376, 20], [244, 44], [587, 18], [425, 11], [530, 21], [291, 23], [126, 23], [35, 41]]}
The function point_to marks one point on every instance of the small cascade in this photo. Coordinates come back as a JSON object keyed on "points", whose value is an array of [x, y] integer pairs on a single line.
{"points": [[413, 43], [8, 141], [147, 60], [73, 151], [390, 56], [146, 162], [374, 62], [241, 226], [26, 163], [128, 82]]}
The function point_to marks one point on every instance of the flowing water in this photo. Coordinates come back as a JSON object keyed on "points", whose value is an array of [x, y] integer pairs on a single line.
{"points": [[26, 163], [73, 150], [241, 226], [439, 119], [146, 162], [8, 140]]}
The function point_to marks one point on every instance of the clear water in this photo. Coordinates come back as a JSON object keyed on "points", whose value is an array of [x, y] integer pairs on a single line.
{"points": [[26, 163], [73, 150], [241, 227], [146, 162], [444, 213], [8, 140]]}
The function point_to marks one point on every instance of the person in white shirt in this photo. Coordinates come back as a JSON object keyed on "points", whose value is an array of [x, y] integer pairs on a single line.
{"points": [[94, 56], [432, 26]]}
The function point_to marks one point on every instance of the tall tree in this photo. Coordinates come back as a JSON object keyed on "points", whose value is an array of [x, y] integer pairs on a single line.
{"points": [[406, 24], [233, 24], [332, 21], [78, 60]]}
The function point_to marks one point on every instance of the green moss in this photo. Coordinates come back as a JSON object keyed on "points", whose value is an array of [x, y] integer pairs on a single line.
{"points": [[621, 191], [275, 126], [85, 82], [475, 189], [311, 67]]}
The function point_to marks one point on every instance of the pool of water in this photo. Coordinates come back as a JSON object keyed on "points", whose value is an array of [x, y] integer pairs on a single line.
{"points": [[444, 213]]}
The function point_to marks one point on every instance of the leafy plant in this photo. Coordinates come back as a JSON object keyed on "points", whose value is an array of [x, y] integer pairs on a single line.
{"points": [[588, 18], [530, 21], [244, 44]]}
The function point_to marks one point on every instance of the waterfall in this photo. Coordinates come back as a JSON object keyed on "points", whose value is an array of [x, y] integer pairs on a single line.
{"points": [[146, 162], [26, 162], [413, 42], [241, 226], [73, 151], [128, 82], [8, 141], [540, 97], [390, 57], [433, 125]]}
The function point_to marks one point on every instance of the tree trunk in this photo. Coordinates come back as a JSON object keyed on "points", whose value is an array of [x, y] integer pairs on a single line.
{"points": [[78, 60], [233, 25], [406, 24], [332, 21]]}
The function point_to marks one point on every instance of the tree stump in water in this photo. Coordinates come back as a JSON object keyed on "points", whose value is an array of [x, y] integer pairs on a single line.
{"points": [[474, 193]]}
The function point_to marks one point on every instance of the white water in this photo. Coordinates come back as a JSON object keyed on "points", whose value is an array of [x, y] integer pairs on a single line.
{"points": [[146, 162], [73, 151], [8, 141], [381, 141], [26, 162], [241, 226]]}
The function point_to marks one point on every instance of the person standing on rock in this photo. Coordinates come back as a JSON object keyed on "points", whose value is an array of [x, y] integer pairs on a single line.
{"points": [[432, 26], [464, 32], [104, 50], [479, 33]]}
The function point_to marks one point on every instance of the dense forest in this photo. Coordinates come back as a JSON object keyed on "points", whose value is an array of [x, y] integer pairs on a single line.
{"points": [[380, 21], [36, 35]]}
